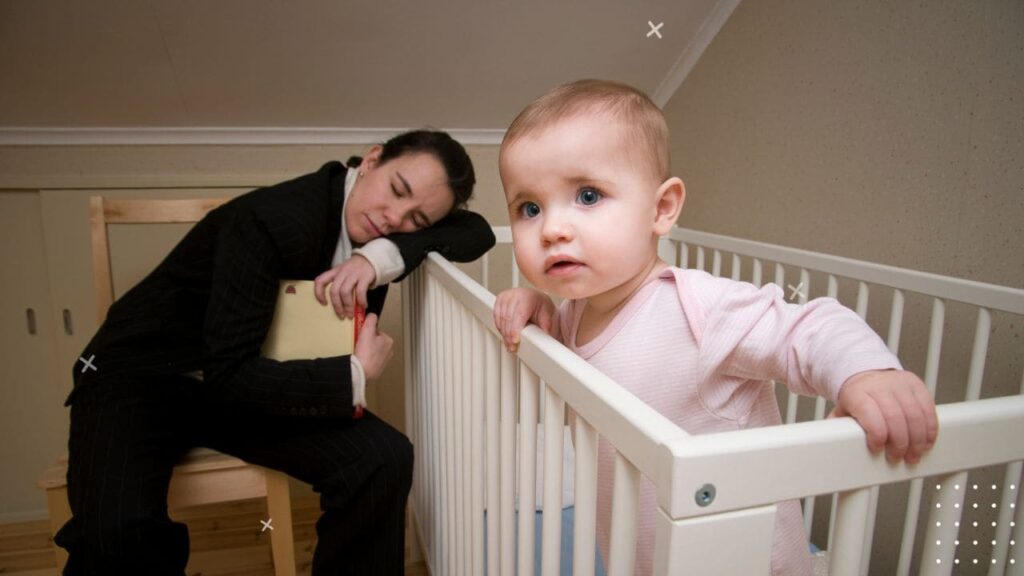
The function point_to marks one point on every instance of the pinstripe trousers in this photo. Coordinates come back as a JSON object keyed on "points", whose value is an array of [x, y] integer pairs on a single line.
{"points": [[126, 437]]}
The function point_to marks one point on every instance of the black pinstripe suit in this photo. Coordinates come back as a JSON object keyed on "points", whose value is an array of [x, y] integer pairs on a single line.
{"points": [[207, 307]]}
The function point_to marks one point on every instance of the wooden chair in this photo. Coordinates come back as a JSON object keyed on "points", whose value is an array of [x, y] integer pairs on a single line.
{"points": [[203, 476]]}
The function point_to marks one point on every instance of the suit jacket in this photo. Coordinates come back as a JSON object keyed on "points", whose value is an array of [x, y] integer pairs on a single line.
{"points": [[209, 304]]}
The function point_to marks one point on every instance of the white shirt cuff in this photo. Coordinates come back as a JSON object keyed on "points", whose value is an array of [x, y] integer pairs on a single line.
{"points": [[358, 383], [385, 258]]}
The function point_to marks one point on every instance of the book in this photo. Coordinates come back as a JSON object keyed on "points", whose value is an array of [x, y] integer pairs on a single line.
{"points": [[303, 328]]}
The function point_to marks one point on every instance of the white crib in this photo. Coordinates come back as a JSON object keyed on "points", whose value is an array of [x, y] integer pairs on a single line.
{"points": [[465, 395]]}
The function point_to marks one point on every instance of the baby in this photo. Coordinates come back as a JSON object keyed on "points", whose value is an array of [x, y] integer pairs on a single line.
{"points": [[586, 174]]}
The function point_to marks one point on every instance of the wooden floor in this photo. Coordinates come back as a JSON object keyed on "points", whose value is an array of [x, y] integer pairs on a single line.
{"points": [[226, 541]]}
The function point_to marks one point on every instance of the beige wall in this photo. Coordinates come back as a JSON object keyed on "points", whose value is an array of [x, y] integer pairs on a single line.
{"points": [[885, 131]]}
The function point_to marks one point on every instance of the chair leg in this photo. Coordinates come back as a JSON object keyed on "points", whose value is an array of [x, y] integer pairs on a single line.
{"points": [[60, 513], [279, 508]]}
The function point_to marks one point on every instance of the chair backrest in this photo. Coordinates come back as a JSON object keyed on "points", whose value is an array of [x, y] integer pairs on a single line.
{"points": [[104, 211]]}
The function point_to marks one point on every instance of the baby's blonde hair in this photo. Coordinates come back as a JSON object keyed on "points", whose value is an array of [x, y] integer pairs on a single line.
{"points": [[637, 113]]}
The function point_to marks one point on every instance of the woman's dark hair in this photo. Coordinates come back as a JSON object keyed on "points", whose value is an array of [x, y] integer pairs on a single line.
{"points": [[451, 155]]}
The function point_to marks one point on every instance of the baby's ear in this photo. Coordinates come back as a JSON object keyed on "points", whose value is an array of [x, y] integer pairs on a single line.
{"points": [[668, 204]]}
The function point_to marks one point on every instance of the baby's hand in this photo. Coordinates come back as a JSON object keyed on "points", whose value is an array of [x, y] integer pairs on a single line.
{"points": [[517, 306], [349, 282], [373, 348], [895, 410]]}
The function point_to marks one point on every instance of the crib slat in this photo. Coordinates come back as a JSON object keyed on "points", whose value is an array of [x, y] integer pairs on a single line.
{"points": [[862, 300], [978, 353], [554, 422], [508, 461], [931, 376], [952, 500], [457, 393], [931, 370], [492, 369], [585, 486], [625, 507], [895, 321], [1001, 551], [469, 462], [440, 475], [528, 384], [485, 262], [737, 267], [432, 329], [943, 522], [756, 273], [851, 517], [1015, 563], [452, 519], [683, 255], [700, 258], [863, 293], [716, 263]]}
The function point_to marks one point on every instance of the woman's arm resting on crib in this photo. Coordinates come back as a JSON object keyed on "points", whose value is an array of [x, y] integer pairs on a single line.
{"points": [[895, 410], [515, 307]]}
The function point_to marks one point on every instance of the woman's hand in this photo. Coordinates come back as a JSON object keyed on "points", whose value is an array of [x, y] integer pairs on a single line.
{"points": [[895, 410], [349, 282], [373, 349], [515, 307]]}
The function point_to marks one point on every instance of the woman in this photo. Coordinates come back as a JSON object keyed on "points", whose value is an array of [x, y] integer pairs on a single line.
{"points": [[207, 307]]}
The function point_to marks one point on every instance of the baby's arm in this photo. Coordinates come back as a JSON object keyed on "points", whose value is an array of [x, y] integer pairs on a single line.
{"points": [[895, 410], [819, 348], [515, 307]]}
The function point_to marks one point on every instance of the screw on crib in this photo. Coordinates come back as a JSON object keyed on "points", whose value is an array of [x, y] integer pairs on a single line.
{"points": [[705, 495]]}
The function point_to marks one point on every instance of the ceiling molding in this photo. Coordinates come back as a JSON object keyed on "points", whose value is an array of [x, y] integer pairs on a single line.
{"points": [[689, 56], [203, 136]]}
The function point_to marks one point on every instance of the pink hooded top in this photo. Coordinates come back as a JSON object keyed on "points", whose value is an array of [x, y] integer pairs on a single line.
{"points": [[701, 350]]}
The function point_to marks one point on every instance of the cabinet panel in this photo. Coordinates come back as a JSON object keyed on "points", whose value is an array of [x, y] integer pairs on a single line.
{"points": [[33, 422]]}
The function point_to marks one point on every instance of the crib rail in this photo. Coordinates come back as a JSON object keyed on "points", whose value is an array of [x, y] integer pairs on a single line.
{"points": [[466, 394], [690, 248], [440, 379]]}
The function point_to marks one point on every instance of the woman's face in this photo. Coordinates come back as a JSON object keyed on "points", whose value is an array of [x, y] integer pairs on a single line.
{"points": [[404, 194]]}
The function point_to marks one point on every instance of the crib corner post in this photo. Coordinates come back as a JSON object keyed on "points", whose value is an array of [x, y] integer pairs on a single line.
{"points": [[707, 545]]}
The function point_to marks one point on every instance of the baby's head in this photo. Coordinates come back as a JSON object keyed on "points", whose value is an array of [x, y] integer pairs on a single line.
{"points": [[644, 133], [586, 174]]}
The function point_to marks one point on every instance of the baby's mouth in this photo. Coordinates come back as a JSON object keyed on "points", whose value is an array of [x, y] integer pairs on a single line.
{"points": [[562, 266]]}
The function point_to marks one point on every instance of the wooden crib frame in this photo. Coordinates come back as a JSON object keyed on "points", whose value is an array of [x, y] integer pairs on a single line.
{"points": [[716, 492]]}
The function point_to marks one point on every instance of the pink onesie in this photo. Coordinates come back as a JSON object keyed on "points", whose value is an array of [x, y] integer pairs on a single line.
{"points": [[701, 350]]}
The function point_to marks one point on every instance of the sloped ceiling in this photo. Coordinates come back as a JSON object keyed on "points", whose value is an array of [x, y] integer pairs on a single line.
{"points": [[461, 64]]}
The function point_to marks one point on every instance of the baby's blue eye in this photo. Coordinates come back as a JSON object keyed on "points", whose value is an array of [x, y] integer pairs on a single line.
{"points": [[589, 196], [529, 209]]}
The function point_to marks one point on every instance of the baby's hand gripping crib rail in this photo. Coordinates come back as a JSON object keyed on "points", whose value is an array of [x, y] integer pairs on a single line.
{"points": [[466, 394]]}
